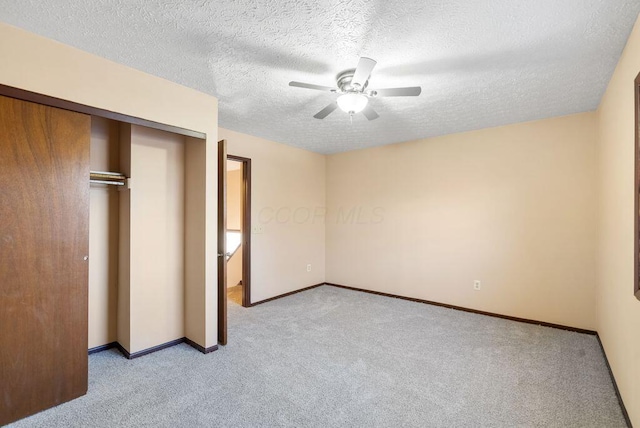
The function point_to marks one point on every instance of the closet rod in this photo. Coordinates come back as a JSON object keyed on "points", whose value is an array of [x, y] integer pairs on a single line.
{"points": [[115, 183], [102, 177]]}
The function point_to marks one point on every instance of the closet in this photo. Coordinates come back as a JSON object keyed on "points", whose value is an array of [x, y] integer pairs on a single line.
{"points": [[101, 244], [137, 236]]}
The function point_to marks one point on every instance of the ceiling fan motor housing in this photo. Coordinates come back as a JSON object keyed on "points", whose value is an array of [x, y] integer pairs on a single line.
{"points": [[344, 79]]}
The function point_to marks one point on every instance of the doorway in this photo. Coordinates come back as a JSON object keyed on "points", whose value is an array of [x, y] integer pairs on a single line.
{"points": [[234, 256], [234, 235]]}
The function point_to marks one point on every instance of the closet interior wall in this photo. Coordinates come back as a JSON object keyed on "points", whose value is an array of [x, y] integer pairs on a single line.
{"points": [[157, 241], [104, 231], [138, 237]]}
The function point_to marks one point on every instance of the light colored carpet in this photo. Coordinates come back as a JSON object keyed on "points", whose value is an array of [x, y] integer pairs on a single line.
{"points": [[330, 357]]}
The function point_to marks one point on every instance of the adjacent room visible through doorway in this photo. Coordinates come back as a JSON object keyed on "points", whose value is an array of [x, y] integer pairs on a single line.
{"points": [[235, 210]]}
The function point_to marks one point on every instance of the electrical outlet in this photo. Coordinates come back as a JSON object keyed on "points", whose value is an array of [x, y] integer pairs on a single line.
{"points": [[309, 267], [477, 284], [257, 229]]}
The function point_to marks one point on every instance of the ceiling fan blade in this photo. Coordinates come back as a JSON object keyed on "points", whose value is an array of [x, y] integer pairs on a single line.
{"points": [[311, 86], [370, 113], [326, 111], [413, 91], [363, 71]]}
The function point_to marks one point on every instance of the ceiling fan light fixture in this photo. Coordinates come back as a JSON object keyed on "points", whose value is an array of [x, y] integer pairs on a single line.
{"points": [[352, 103]]}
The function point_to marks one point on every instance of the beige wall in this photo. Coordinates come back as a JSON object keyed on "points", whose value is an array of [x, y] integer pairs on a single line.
{"points": [[157, 237], [41, 65], [103, 235], [513, 207], [618, 311], [197, 195], [288, 198]]}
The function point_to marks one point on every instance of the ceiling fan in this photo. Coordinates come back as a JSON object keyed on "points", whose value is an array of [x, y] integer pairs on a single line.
{"points": [[354, 94]]}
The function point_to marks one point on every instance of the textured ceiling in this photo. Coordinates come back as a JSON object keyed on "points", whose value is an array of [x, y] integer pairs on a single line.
{"points": [[480, 63]]}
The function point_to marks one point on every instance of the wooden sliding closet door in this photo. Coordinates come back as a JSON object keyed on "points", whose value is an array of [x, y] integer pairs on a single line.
{"points": [[44, 239]]}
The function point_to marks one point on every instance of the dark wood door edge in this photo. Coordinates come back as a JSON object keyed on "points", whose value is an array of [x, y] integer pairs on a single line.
{"points": [[147, 351], [47, 100], [246, 227], [286, 294], [615, 385], [474, 311]]}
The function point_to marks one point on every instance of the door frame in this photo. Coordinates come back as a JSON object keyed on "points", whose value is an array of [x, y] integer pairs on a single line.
{"points": [[246, 227], [636, 196], [222, 229], [222, 242], [34, 97]]}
